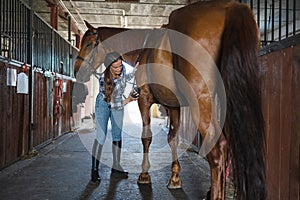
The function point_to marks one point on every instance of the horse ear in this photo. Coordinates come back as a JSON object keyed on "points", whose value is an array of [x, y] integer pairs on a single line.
{"points": [[89, 26]]}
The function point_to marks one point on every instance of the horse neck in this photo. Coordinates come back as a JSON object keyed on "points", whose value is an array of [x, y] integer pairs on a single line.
{"points": [[107, 32], [128, 42]]}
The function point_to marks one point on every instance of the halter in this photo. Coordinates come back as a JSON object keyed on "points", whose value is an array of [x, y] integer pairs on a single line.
{"points": [[94, 51]]}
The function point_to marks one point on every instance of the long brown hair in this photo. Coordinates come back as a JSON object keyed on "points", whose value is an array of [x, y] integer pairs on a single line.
{"points": [[108, 84]]}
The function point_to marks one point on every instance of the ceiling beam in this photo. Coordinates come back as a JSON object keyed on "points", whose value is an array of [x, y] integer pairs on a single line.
{"points": [[64, 13]]}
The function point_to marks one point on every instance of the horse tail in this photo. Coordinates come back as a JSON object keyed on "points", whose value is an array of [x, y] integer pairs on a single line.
{"points": [[244, 124]]}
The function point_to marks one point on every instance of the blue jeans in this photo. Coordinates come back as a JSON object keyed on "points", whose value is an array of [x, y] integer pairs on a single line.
{"points": [[103, 113]]}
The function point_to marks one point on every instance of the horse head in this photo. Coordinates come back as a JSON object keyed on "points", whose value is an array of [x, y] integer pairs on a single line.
{"points": [[90, 55]]}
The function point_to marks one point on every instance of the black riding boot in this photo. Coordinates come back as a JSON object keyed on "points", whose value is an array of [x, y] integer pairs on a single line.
{"points": [[97, 149], [116, 169]]}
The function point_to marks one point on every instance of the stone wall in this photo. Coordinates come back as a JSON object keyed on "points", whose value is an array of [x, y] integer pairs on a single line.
{"points": [[139, 14]]}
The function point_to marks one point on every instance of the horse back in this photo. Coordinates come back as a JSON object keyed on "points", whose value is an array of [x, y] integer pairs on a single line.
{"points": [[201, 21]]}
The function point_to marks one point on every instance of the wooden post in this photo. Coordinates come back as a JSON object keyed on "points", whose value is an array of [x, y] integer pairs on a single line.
{"points": [[54, 16], [78, 39]]}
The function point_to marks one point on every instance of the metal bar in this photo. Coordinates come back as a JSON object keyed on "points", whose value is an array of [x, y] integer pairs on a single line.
{"points": [[279, 45], [1, 23], [279, 18], [35, 43], [11, 31], [52, 51], [8, 28], [294, 17], [17, 10], [273, 18], [31, 78], [17, 31], [287, 19], [20, 41], [6, 17], [38, 42], [25, 32], [69, 28], [265, 23], [21, 34], [14, 35]]}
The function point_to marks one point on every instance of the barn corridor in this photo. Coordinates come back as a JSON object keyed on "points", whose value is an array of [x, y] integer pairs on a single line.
{"points": [[61, 170]]}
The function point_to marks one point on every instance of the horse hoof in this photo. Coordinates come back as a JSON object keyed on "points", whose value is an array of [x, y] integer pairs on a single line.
{"points": [[175, 185], [144, 178]]}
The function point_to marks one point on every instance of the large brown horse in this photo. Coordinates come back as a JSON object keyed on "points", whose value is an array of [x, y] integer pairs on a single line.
{"points": [[175, 70]]}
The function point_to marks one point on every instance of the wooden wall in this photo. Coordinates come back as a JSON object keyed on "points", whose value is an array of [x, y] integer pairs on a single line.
{"points": [[15, 116], [67, 109], [281, 108], [42, 118], [14, 120]]}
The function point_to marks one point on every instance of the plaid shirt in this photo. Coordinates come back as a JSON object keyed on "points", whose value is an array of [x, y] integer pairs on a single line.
{"points": [[120, 84]]}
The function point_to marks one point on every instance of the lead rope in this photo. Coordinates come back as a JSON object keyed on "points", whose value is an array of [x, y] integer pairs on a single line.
{"points": [[138, 59]]}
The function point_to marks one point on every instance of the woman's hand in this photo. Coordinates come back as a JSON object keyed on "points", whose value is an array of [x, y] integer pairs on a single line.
{"points": [[129, 99], [134, 95]]}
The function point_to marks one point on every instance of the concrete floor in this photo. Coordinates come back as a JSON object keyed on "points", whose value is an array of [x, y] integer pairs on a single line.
{"points": [[61, 170]]}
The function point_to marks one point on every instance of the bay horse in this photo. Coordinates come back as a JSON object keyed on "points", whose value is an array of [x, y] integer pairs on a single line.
{"points": [[169, 75]]}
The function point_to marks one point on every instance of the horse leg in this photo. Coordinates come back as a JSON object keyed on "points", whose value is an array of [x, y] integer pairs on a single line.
{"points": [[217, 161], [174, 181], [144, 177]]}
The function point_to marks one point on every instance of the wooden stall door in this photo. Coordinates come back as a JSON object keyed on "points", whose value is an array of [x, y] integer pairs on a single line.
{"points": [[280, 86]]}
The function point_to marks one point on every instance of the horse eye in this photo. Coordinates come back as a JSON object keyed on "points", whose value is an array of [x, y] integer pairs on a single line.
{"points": [[88, 45]]}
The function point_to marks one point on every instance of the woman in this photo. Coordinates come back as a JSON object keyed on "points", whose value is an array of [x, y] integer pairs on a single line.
{"points": [[110, 105]]}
